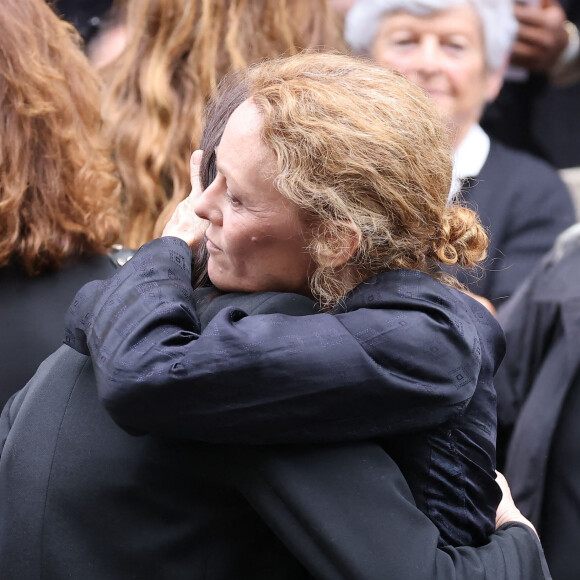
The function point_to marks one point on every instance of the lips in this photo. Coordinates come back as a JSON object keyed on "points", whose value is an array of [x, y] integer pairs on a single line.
{"points": [[435, 92], [211, 247]]}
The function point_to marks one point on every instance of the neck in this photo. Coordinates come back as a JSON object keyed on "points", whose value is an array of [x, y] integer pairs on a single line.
{"points": [[458, 135]]}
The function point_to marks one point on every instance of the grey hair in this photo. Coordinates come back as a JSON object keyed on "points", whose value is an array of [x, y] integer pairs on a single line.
{"points": [[497, 19]]}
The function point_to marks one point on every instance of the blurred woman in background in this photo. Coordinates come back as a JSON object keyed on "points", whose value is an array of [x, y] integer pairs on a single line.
{"points": [[176, 53], [59, 196]]}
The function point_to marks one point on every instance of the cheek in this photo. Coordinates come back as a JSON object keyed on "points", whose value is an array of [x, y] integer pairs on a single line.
{"points": [[390, 59], [470, 77], [246, 244]]}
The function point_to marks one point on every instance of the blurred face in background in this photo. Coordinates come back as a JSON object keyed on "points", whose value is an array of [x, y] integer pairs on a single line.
{"points": [[443, 52], [342, 6]]}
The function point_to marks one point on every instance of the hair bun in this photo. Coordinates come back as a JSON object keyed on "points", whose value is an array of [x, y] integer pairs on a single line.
{"points": [[464, 240]]}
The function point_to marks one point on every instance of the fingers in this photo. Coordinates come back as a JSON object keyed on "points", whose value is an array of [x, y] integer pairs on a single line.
{"points": [[541, 36], [527, 56], [507, 510], [529, 15], [194, 169], [503, 485], [185, 223]]}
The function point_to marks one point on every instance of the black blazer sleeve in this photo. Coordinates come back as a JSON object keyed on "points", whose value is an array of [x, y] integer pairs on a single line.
{"points": [[346, 512], [328, 378]]}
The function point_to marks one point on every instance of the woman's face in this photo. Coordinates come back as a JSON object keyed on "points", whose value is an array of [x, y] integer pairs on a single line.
{"points": [[255, 238], [444, 53]]}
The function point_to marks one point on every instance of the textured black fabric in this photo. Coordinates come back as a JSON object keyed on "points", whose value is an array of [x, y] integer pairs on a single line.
{"points": [[524, 206], [403, 359], [79, 498]]}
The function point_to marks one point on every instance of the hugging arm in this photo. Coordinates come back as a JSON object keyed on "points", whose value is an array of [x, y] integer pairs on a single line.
{"points": [[347, 512], [274, 378]]}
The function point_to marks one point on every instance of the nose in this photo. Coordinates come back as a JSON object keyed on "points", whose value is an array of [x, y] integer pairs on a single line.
{"points": [[206, 206], [428, 57]]}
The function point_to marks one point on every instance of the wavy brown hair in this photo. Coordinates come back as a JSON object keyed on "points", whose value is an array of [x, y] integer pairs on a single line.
{"points": [[178, 50], [58, 192], [361, 149]]}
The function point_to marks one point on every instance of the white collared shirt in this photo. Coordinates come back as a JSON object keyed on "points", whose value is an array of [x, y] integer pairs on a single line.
{"points": [[469, 158]]}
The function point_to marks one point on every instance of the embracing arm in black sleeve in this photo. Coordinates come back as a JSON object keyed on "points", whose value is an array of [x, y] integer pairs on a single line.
{"points": [[394, 363]]}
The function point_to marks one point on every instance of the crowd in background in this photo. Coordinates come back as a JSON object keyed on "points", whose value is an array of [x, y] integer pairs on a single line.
{"points": [[100, 115]]}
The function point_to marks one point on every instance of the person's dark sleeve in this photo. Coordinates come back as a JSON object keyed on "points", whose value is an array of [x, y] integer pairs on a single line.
{"points": [[529, 324], [517, 321], [263, 379], [346, 512]]}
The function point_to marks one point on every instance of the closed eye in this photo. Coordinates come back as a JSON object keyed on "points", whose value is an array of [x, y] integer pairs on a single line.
{"points": [[404, 42], [232, 199], [456, 44]]}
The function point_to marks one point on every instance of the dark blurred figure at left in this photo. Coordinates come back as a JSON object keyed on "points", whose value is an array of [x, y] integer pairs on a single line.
{"points": [[100, 24], [86, 16], [59, 196]]}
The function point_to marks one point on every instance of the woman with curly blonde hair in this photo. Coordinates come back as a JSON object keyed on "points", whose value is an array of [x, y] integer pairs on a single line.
{"points": [[176, 53], [59, 196], [332, 182]]}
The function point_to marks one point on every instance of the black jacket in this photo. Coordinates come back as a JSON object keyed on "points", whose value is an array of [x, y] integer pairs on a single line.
{"points": [[82, 499], [524, 205], [32, 311], [403, 359], [538, 388]]}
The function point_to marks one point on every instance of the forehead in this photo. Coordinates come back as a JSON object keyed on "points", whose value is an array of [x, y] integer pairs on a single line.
{"points": [[461, 18], [243, 126], [241, 154]]}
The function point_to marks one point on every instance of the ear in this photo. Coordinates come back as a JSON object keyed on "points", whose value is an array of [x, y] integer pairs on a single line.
{"points": [[337, 244]]}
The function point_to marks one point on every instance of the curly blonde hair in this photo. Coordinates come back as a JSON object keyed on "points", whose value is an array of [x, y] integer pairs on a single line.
{"points": [[157, 88], [360, 149], [59, 197]]}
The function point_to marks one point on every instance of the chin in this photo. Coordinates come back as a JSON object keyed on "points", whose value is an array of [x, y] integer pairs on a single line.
{"points": [[226, 285], [221, 285]]}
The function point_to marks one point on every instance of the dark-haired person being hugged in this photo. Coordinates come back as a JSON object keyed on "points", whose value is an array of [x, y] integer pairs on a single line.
{"points": [[332, 182], [59, 197]]}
